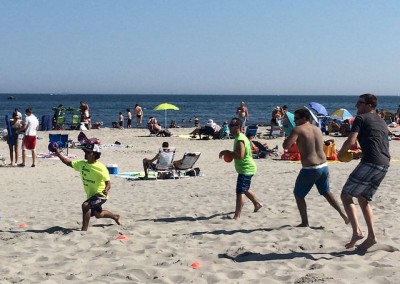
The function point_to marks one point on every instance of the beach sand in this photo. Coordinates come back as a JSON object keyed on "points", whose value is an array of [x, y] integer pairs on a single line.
{"points": [[171, 224]]}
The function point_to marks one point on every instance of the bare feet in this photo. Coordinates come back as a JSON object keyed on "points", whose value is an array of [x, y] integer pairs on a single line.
{"points": [[302, 225], [257, 207], [367, 244], [116, 219], [353, 240], [346, 219]]}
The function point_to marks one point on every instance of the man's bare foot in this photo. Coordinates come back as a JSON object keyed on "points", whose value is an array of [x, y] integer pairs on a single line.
{"points": [[302, 225], [367, 244], [258, 207], [116, 219], [346, 219], [353, 240], [236, 217]]}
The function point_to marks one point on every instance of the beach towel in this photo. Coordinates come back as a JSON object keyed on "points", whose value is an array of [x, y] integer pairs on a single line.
{"points": [[135, 175]]}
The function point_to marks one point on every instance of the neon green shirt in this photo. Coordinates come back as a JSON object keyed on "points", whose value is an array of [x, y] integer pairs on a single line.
{"points": [[246, 165], [93, 176]]}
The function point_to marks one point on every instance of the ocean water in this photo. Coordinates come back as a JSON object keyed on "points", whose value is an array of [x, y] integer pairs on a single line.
{"points": [[106, 108]]}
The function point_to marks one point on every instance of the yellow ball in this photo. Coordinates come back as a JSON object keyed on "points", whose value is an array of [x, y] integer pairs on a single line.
{"points": [[347, 157]]}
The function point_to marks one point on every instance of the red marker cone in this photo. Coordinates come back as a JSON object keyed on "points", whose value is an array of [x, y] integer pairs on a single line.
{"points": [[121, 237], [196, 265]]}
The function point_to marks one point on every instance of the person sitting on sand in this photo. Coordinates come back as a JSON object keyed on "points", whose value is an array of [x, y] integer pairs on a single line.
{"points": [[149, 163], [315, 170], [333, 126], [260, 150], [96, 182], [155, 128], [244, 165], [211, 128]]}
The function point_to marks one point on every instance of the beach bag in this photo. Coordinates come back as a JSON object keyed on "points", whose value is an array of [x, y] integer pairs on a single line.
{"points": [[330, 151], [293, 149], [82, 138], [291, 156], [167, 133]]}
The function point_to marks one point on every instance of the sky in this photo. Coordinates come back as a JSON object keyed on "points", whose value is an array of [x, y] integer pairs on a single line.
{"points": [[280, 47]]}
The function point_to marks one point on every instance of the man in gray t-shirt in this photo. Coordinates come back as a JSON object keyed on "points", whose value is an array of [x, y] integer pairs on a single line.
{"points": [[372, 134]]}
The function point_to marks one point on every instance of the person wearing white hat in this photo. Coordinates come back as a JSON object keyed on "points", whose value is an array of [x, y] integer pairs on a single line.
{"points": [[96, 182]]}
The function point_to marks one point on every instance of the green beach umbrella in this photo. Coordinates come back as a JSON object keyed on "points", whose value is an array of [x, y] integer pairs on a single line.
{"points": [[165, 107]]}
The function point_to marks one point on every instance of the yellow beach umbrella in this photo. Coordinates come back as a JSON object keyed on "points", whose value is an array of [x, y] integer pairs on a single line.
{"points": [[165, 107]]}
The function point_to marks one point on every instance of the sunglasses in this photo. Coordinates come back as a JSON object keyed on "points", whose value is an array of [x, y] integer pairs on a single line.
{"points": [[297, 118], [233, 124], [360, 102]]}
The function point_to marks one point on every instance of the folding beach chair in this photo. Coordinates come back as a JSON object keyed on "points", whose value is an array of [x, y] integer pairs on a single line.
{"points": [[276, 131], [76, 122], [252, 130], [164, 164], [60, 122], [61, 139], [186, 164]]}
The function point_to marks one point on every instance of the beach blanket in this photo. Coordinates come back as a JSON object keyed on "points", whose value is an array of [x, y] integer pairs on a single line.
{"points": [[134, 175]]}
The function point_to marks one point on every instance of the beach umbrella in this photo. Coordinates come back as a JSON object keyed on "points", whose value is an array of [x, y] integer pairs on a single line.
{"points": [[318, 108], [288, 123], [341, 114], [165, 107], [314, 118]]}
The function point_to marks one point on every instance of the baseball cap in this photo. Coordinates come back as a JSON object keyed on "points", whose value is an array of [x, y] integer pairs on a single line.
{"points": [[91, 148]]}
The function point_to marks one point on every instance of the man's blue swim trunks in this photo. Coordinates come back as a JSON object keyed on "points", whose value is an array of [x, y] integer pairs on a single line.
{"points": [[308, 176]]}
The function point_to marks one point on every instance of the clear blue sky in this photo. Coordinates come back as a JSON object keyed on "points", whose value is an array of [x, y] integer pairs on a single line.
{"points": [[310, 47]]}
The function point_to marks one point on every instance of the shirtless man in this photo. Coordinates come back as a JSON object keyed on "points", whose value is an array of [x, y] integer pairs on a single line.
{"points": [[243, 113], [139, 115], [315, 170]]}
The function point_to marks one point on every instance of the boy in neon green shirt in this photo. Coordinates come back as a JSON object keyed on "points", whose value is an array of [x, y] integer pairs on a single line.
{"points": [[244, 165], [96, 182]]}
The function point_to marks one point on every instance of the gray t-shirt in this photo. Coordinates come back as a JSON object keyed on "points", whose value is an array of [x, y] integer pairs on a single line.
{"points": [[373, 138]]}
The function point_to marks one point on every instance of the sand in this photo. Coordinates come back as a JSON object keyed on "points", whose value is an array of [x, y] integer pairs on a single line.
{"points": [[171, 224]]}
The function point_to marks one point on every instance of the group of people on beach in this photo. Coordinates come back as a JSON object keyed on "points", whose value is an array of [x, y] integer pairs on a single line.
{"points": [[138, 114], [368, 129], [22, 134]]}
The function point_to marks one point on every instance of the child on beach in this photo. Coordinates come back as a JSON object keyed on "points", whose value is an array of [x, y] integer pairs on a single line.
{"points": [[121, 120], [96, 182], [129, 118], [244, 165]]}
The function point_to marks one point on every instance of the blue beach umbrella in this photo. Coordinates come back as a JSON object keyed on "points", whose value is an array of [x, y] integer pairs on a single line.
{"points": [[318, 108]]}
